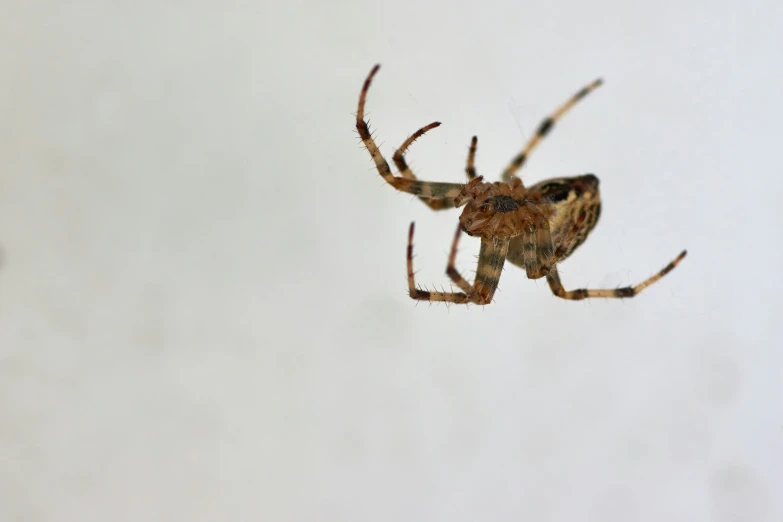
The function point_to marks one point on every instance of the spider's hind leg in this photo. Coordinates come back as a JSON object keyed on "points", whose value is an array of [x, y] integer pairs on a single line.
{"points": [[629, 291], [543, 129]]}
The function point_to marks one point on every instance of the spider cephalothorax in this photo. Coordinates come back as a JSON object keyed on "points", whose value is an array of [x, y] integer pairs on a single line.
{"points": [[498, 209], [534, 228]]}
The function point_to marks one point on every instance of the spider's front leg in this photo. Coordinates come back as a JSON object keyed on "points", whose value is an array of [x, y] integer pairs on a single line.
{"points": [[423, 189], [406, 172], [492, 256]]}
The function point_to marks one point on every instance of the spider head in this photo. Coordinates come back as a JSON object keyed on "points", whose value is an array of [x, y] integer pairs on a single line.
{"points": [[492, 209]]}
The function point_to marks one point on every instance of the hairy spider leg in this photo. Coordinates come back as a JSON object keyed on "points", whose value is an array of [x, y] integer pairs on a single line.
{"points": [[492, 256], [629, 291], [423, 189]]}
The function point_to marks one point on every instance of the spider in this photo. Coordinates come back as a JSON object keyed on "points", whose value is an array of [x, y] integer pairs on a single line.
{"points": [[533, 228]]}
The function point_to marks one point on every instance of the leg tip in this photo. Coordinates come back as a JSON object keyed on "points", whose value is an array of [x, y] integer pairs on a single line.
{"points": [[370, 77]]}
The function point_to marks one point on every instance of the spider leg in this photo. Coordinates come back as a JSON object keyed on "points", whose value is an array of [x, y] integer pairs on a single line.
{"points": [[423, 189], [470, 169], [451, 269], [407, 173], [543, 129], [534, 250], [629, 291], [492, 255]]}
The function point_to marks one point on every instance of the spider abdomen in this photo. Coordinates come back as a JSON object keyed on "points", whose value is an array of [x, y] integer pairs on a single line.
{"points": [[567, 199]]}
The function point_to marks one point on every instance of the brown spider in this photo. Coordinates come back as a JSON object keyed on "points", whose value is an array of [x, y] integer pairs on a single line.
{"points": [[534, 228]]}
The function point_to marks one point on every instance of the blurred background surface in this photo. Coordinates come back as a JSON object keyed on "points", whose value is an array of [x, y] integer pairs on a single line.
{"points": [[203, 309]]}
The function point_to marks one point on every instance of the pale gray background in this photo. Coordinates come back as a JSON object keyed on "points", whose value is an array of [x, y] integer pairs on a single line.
{"points": [[202, 300]]}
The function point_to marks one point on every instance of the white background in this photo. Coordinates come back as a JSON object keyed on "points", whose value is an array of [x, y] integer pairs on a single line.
{"points": [[203, 309]]}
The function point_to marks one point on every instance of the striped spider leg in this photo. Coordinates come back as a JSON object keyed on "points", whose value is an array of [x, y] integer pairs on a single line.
{"points": [[435, 194], [548, 268], [492, 256], [405, 170], [544, 127], [574, 206], [556, 286]]}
